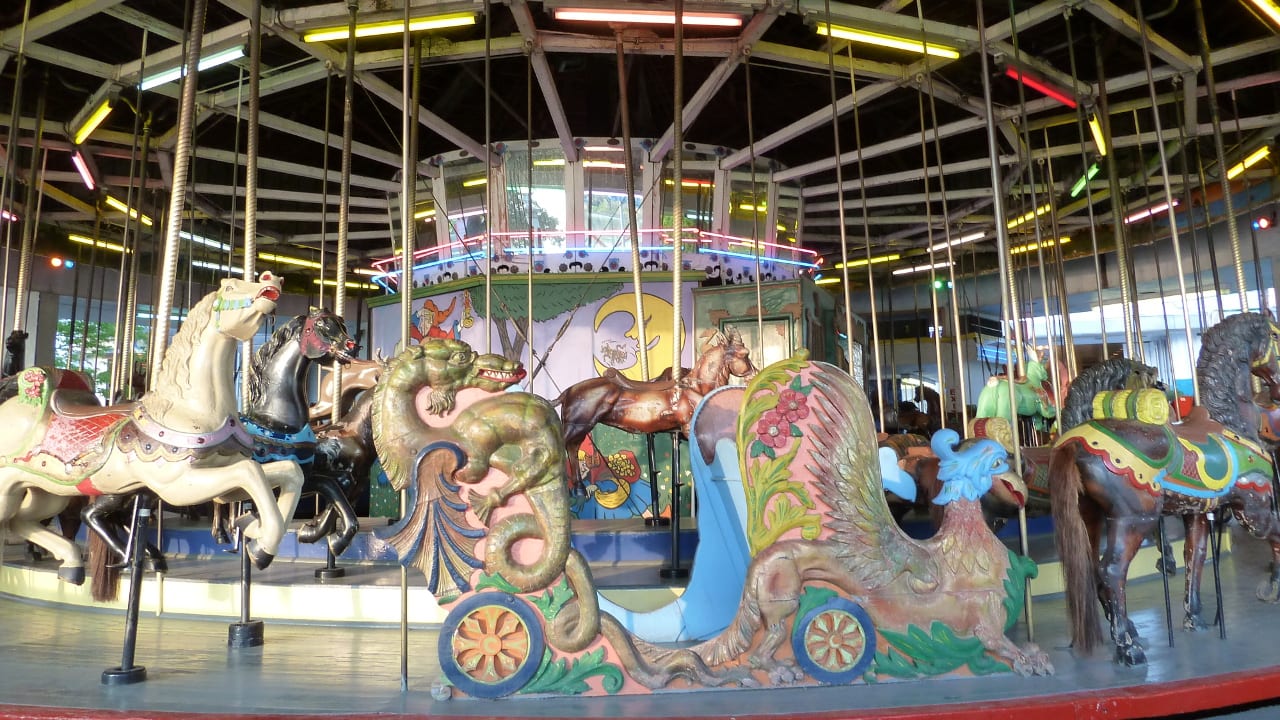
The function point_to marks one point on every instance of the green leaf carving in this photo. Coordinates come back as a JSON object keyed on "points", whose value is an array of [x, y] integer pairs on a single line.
{"points": [[916, 653], [1015, 586], [553, 601], [569, 677], [497, 582]]}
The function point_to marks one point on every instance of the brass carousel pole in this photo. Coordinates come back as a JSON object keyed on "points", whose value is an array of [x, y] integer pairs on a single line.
{"points": [[408, 188]]}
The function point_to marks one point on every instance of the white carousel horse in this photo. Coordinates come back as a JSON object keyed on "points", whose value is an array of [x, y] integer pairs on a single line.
{"points": [[183, 441]]}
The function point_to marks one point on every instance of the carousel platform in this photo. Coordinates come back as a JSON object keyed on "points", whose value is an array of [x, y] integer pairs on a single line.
{"points": [[54, 652]]}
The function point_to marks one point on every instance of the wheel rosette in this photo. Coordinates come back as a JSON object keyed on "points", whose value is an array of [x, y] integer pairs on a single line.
{"points": [[834, 642], [491, 645]]}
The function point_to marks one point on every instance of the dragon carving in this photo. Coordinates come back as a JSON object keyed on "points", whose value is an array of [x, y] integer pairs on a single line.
{"points": [[828, 556]]}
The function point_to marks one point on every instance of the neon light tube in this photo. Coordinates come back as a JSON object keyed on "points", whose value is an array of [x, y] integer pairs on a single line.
{"points": [[1095, 129], [1268, 8], [203, 240], [350, 284], [889, 41], [1031, 247], [921, 268], [6, 215], [475, 182], [394, 27], [651, 17], [963, 239], [205, 63], [119, 205], [868, 261], [1254, 158], [82, 167], [1148, 212], [602, 164], [423, 214], [92, 122], [1024, 218], [1078, 187], [800, 263], [827, 281], [216, 266], [1041, 86], [83, 240], [271, 257]]}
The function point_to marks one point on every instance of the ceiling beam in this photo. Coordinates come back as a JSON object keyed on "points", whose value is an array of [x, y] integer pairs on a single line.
{"points": [[234, 34], [818, 60], [546, 81], [146, 22], [371, 82], [356, 235], [807, 124], [297, 169], [296, 196], [61, 16], [740, 52], [1125, 24]]}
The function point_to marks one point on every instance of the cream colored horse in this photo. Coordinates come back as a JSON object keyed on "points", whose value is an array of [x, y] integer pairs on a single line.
{"points": [[182, 441]]}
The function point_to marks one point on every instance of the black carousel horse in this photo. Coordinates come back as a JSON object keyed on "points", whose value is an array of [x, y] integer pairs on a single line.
{"points": [[1119, 477], [277, 414], [277, 418]]}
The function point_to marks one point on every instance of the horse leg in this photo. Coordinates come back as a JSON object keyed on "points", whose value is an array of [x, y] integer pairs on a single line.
{"points": [[97, 515], [324, 524], [218, 517], [34, 505], [1124, 537], [1193, 555]]}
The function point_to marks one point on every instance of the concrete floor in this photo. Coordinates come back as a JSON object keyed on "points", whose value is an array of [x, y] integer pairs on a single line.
{"points": [[51, 660]]}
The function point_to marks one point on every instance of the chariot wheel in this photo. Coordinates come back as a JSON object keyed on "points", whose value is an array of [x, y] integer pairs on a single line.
{"points": [[491, 645], [834, 642]]}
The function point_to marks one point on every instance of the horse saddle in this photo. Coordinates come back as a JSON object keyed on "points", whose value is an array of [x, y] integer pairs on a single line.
{"points": [[81, 404], [1197, 426], [627, 383]]}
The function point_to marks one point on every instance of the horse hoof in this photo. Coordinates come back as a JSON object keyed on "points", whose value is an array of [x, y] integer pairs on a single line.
{"points": [[260, 558], [1269, 591], [1130, 656], [157, 565], [73, 575], [220, 537], [309, 533]]}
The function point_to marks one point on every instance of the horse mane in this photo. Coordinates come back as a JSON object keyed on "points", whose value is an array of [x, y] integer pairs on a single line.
{"points": [[1113, 374], [1223, 368], [175, 372], [258, 380]]}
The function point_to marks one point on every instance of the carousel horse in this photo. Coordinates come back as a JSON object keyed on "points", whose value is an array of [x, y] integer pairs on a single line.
{"points": [[182, 441], [653, 406], [276, 412], [1034, 395], [1122, 475], [357, 376]]}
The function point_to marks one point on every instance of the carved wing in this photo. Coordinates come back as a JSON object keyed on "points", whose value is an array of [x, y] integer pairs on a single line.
{"points": [[845, 462], [435, 536]]}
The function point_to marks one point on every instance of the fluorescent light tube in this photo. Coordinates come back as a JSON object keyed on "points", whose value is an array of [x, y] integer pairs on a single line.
{"points": [[1095, 129], [651, 17], [393, 27], [212, 61], [92, 122], [1254, 158], [889, 41], [119, 205]]}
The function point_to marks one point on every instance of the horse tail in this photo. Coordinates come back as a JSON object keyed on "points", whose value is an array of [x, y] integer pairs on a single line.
{"points": [[105, 586], [1079, 565]]}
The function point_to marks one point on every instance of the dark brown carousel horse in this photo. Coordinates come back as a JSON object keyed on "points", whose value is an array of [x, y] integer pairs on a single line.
{"points": [[1115, 478], [653, 406]]}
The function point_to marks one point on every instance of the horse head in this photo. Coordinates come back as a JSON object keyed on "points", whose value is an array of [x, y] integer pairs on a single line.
{"points": [[968, 469], [240, 304], [324, 336], [737, 355], [1266, 365]]}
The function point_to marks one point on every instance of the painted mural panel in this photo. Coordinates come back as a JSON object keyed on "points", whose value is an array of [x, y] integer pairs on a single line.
{"points": [[582, 328]]}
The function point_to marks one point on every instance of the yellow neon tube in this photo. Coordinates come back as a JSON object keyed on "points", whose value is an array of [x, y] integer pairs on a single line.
{"points": [[392, 27], [92, 122], [889, 41]]}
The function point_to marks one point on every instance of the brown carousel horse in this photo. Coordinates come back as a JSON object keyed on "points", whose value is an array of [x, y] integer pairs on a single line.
{"points": [[653, 406], [1122, 475], [182, 441]]}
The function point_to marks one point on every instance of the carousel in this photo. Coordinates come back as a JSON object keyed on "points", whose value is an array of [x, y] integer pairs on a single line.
{"points": [[770, 397]]}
